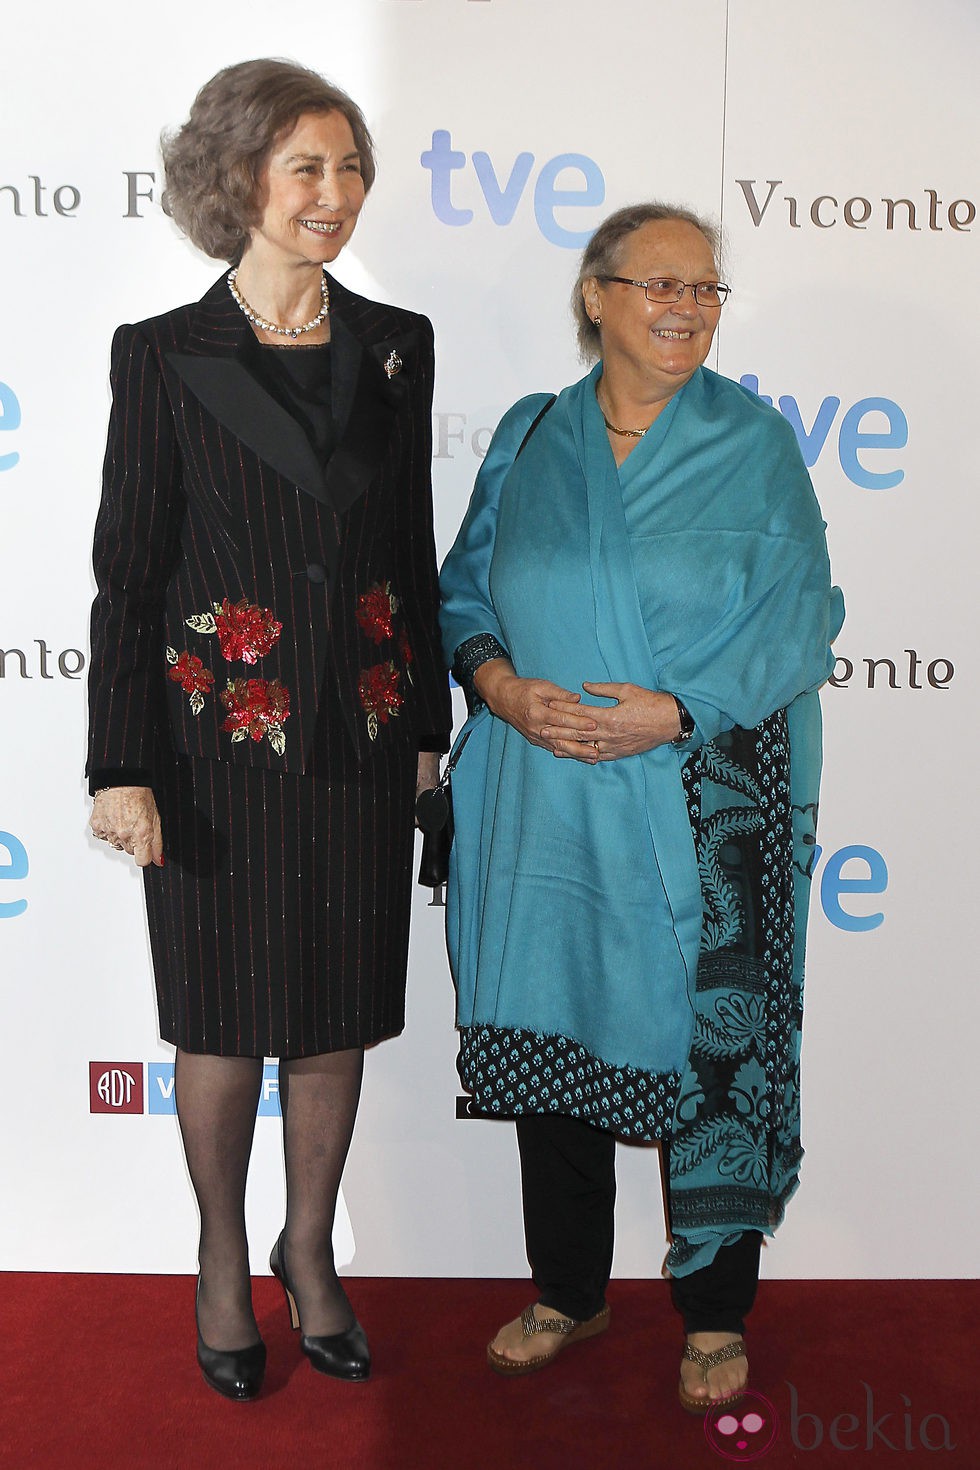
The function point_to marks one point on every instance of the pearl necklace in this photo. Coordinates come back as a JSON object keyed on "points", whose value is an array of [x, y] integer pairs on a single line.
{"points": [[623, 433], [267, 326]]}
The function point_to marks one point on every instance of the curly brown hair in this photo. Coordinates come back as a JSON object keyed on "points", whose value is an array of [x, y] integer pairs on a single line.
{"points": [[602, 255], [212, 164]]}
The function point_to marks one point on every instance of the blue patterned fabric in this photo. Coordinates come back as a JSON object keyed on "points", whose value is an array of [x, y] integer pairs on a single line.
{"points": [[735, 1147], [575, 901], [469, 657], [513, 1072]]}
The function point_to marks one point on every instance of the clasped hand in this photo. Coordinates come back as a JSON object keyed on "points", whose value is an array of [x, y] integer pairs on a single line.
{"points": [[555, 719]]}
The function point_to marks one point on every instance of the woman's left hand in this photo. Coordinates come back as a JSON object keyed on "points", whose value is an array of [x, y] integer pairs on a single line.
{"points": [[128, 819], [641, 719]]}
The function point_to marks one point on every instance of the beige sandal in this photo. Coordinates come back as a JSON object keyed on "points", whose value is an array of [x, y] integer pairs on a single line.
{"points": [[707, 1361], [569, 1330]]}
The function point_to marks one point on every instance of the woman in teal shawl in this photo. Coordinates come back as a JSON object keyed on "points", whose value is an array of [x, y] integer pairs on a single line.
{"points": [[638, 606]]}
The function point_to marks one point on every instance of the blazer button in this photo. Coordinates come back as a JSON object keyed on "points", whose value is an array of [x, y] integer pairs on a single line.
{"points": [[316, 573]]}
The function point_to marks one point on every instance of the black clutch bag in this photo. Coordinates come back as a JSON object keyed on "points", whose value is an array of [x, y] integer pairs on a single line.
{"points": [[434, 816]]}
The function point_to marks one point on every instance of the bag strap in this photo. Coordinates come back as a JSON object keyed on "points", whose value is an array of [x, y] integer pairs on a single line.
{"points": [[451, 763], [534, 424]]}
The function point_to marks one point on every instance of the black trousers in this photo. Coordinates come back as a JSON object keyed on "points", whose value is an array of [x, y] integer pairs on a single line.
{"points": [[568, 1175]]}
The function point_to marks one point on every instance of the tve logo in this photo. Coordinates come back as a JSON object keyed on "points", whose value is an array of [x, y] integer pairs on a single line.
{"points": [[16, 867], [503, 188], [115, 1087], [160, 1090], [867, 873], [9, 419], [854, 438]]}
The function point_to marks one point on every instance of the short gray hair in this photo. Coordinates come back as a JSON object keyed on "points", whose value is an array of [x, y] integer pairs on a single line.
{"points": [[602, 255], [212, 164]]}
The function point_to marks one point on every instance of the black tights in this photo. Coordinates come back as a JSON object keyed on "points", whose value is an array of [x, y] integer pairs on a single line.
{"points": [[216, 1101], [568, 1172]]}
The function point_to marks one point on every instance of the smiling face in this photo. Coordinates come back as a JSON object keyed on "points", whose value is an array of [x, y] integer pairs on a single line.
{"points": [[310, 193], [649, 348]]}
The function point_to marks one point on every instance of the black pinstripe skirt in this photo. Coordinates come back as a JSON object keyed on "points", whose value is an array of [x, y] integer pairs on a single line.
{"points": [[279, 923]]}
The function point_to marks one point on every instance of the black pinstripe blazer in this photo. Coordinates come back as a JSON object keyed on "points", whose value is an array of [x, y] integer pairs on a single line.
{"points": [[236, 573]]}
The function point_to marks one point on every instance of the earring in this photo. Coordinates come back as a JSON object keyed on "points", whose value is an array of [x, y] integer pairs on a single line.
{"points": [[597, 321]]}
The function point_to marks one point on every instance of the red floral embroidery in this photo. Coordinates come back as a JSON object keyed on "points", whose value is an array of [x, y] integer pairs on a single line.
{"points": [[245, 630], [256, 708], [376, 609], [187, 670], [378, 688], [408, 657], [190, 674]]}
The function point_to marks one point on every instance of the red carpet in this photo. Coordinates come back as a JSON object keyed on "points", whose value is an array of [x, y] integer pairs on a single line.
{"points": [[99, 1371]]}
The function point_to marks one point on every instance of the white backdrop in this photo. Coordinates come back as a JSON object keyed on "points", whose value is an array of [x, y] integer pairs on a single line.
{"points": [[837, 144]]}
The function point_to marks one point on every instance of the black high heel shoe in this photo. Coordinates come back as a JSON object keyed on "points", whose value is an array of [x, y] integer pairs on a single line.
{"points": [[343, 1354], [237, 1375]]}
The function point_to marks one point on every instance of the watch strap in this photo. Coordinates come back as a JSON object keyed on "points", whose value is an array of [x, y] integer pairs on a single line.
{"points": [[686, 722]]}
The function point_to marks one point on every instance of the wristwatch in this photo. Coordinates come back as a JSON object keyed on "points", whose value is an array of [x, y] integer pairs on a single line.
{"points": [[687, 722]]}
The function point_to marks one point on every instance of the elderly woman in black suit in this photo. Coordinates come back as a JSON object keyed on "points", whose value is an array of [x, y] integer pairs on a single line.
{"points": [[267, 693]]}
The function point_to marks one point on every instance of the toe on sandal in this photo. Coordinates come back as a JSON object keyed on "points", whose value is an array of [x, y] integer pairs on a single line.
{"points": [[707, 1361], [569, 1330]]}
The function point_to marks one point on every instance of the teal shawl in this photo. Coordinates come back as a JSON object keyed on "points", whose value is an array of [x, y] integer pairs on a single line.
{"points": [[575, 906]]}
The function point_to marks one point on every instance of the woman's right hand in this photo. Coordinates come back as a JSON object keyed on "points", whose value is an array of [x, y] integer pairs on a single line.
{"points": [[127, 818], [526, 705]]}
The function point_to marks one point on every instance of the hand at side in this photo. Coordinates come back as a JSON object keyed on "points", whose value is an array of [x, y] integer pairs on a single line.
{"points": [[127, 818]]}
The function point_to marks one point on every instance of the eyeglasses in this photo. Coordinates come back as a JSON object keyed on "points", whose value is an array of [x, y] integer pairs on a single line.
{"points": [[666, 289]]}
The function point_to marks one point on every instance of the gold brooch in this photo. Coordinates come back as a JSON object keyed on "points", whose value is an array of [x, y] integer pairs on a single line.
{"points": [[393, 363]]}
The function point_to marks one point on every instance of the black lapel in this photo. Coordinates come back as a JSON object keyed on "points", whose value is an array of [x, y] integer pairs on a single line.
{"points": [[368, 386], [366, 395], [218, 368]]}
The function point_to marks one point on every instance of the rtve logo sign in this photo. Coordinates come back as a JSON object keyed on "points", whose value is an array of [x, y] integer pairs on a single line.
{"points": [[14, 863], [9, 420], [567, 181]]}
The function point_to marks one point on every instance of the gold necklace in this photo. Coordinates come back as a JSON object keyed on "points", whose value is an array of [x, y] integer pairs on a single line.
{"points": [[614, 429]]}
